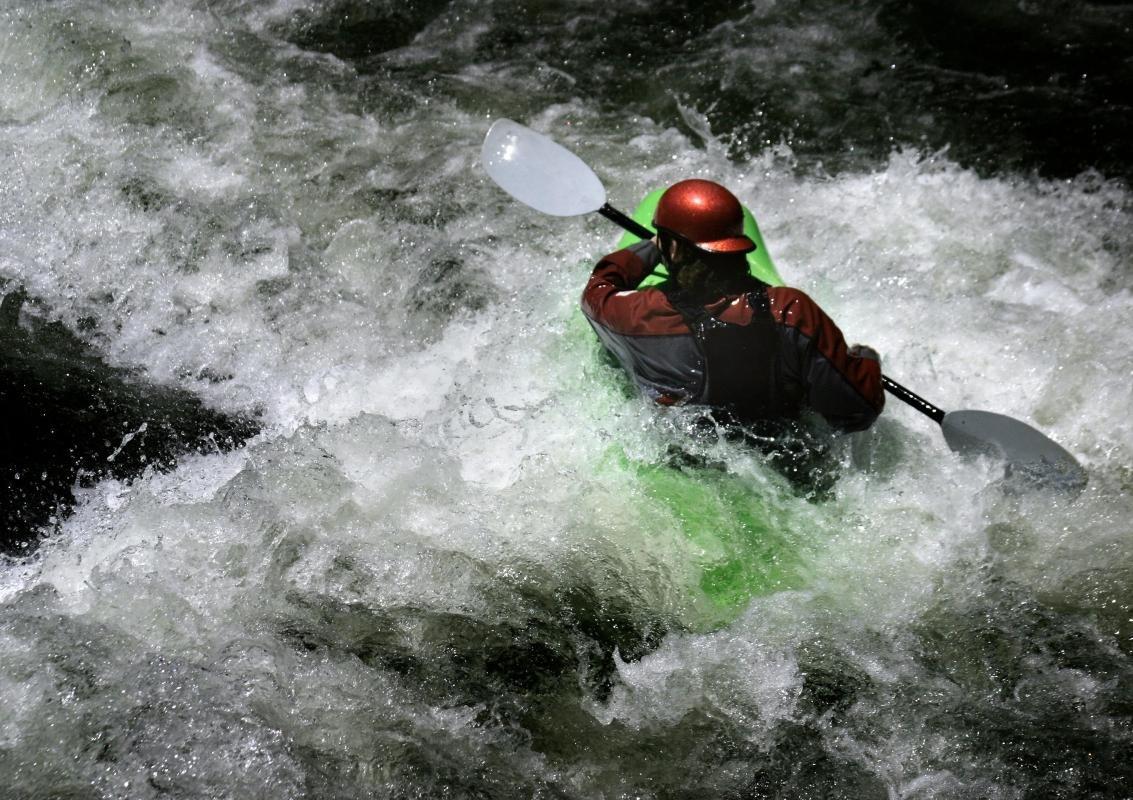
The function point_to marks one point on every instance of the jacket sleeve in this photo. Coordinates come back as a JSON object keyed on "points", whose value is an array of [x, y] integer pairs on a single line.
{"points": [[610, 299], [844, 388]]}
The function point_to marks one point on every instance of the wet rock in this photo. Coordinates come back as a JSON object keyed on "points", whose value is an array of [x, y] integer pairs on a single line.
{"points": [[67, 419]]}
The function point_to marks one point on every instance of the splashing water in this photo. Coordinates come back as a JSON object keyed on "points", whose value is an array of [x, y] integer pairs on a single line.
{"points": [[459, 557]]}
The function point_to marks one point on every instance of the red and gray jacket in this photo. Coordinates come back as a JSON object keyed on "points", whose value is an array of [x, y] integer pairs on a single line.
{"points": [[768, 352]]}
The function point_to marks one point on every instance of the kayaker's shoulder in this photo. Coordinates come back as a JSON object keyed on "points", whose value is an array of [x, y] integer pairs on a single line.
{"points": [[795, 308], [788, 299]]}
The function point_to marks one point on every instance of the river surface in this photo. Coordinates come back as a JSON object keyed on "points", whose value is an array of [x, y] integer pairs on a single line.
{"points": [[318, 485]]}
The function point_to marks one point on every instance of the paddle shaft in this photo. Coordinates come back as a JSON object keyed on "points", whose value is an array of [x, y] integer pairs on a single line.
{"points": [[894, 388], [913, 399], [629, 223]]}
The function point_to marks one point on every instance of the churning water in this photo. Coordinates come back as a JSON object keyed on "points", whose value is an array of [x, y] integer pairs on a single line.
{"points": [[390, 525]]}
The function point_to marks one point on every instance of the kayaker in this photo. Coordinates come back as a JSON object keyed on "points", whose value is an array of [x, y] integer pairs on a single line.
{"points": [[713, 334]]}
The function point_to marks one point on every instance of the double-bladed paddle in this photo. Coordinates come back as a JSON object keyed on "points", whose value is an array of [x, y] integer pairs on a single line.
{"points": [[542, 174]]}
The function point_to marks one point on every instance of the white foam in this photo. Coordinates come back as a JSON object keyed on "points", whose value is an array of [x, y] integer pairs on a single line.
{"points": [[432, 459]]}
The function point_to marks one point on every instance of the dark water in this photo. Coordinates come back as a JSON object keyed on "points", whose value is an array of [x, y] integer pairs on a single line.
{"points": [[320, 487], [1005, 86]]}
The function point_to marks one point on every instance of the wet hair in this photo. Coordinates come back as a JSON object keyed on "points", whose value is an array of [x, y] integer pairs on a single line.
{"points": [[704, 274]]}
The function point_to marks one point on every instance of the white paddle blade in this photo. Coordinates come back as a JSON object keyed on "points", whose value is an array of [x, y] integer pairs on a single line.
{"points": [[539, 172], [1031, 457]]}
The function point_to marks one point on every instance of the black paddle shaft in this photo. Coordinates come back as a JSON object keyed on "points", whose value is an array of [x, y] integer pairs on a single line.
{"points": [[894, 388], [630, 224], [915, 400]]}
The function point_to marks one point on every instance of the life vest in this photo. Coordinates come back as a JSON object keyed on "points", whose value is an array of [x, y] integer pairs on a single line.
{"points": [[741, 364]]}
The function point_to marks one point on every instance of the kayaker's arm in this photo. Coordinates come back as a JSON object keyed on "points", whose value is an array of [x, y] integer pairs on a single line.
{"points": [[631, 264], [610, 294], [843, 386]]}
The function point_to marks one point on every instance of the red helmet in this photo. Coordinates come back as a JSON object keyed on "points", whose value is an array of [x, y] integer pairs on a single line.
{"points": [[704, 213]]}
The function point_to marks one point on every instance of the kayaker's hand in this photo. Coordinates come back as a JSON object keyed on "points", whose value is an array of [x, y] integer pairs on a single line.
{"points": [[864, 351]]}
